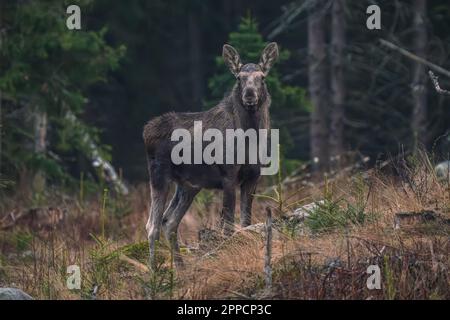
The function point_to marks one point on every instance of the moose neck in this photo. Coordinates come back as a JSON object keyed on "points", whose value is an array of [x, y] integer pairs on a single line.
{"points": [[258, 119]]}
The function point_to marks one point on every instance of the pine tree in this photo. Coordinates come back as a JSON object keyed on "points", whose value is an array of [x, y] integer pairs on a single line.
{"points": [[45, 72], [287, 100]]}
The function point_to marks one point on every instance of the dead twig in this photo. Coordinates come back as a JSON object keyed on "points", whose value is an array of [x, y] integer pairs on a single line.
{"points": [[239, 295], [435, 81], [268, 251]]}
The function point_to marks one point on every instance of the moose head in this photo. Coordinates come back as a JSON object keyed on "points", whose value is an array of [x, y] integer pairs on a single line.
{"points": [[251, 77]]}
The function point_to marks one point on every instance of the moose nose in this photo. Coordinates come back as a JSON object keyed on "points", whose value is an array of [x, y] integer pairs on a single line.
{"points": [[250, 97]]}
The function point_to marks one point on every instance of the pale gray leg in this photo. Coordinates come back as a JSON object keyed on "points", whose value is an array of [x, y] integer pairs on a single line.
{"points": [[155, 219], [159, 188], [174, 214]]}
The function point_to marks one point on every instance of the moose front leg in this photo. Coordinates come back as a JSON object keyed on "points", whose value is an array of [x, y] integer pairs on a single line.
{"points": [[229, 202], [248, 189], [250, 176]]}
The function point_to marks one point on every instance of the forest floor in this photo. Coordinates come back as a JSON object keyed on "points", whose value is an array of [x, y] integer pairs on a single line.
{"points": [[326, 256]]}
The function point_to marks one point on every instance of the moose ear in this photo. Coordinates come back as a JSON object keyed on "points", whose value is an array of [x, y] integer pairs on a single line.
{"points": [[232, 59], [268, 57]]}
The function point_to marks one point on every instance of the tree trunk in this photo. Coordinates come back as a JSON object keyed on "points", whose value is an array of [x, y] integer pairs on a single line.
{"points": [[39, 146], [1, 97], [318, 87], [337, 79], [419, 89], [195, 57], [1, 128]]}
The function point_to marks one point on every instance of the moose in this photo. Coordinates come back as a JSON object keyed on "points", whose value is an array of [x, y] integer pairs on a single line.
{"points": [[246, 106]]}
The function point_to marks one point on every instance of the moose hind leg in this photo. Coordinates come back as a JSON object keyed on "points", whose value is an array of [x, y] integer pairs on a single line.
{"points": [[172, 218], [159, 190]]}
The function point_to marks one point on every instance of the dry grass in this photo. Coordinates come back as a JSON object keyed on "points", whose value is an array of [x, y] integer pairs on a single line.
{"points": [[414, 260]]}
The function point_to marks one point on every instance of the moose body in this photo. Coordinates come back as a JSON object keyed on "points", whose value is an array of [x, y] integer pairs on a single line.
{"points": [[245, 107]]}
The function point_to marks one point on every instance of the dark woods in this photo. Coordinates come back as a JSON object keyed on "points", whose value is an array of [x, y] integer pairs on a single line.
{"points": [[363, 131], [336, 88]]}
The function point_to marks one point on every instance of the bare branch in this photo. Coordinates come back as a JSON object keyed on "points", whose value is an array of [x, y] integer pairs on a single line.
{"points": [[435, 81], [268, 251], [414, 57]]}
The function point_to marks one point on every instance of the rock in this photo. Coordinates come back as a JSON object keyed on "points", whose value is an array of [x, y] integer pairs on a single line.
{"points": [[333, 263], [13, 294], [304, 211], [442, 169], [258, 227]]}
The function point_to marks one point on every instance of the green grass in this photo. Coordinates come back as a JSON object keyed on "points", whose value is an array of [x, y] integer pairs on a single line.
{"points": [[339, 213]]}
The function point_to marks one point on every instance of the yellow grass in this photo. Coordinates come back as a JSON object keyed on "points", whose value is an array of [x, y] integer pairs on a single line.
{"points": [[36, 260]]}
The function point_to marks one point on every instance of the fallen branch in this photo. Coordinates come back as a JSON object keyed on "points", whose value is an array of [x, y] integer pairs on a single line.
{"points": [[34, 218], [134, 263], [435, 81], [414, 57]]}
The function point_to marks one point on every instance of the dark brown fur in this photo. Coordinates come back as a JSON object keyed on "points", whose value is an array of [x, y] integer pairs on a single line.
{"points": [[245, 107]]}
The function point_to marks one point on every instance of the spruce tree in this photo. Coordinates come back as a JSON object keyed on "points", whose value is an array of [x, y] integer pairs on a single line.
{"points": [[287, 100]]}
